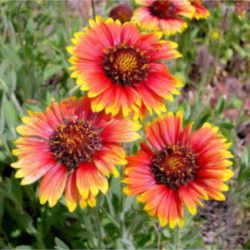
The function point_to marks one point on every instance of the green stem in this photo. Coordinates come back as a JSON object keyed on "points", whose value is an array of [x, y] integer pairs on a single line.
{"points": [[93, 8], [72, 90], [177, 239], [159, 247], [111, 218], [6, 146], [16, 103], [98, 228]]}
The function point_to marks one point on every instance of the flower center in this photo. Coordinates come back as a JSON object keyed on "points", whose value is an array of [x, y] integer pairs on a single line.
{"points": [[163, 9], [174, 166], [122, 12], [125, 65], [74, 143]]}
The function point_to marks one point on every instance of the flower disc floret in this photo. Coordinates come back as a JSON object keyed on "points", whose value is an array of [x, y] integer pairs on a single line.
{"points": [[125, 65], [163, 9], [174, 166], [75, 142]]}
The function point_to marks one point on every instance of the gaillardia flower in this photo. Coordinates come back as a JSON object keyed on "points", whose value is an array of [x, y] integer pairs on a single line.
{"points": [[241, 7], [163, 15], [177, 168], [200, 11], [72, 149], [120, 67]]}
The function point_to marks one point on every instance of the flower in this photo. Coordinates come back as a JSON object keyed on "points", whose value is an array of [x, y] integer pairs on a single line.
{"points": [[200, 10], [241, 7], [163, 15], [122, 12], [72, 149], [119, 67], [215, 35], [178, 168]]}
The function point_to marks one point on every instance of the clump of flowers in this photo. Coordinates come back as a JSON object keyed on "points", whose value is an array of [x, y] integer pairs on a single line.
{"points": [[73, 150], [74, 145]]}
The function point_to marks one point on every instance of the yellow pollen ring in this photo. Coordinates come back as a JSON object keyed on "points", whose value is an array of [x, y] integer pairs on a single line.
{"points": [[126, 62], [174, 163]]}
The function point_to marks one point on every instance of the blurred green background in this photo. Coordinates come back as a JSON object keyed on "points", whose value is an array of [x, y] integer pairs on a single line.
{"points": [[33, 70]]}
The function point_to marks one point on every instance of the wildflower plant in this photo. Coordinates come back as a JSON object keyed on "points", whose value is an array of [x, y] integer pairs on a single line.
{"points": [[75, 141], [120, 141]]}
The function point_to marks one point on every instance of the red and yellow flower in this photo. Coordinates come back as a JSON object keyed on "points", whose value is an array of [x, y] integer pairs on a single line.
{"points": [[163, 15], [120, 67], [200, 11], [241, 7], [72, 149], [178, 168]]}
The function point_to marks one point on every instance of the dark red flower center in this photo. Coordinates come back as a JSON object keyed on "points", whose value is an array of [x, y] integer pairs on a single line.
{"points": [[125, 65], [163, 9], [122, 12], [174, 166], [74, 143]]}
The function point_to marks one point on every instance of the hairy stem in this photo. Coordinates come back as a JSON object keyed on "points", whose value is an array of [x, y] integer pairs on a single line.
{"points": [[93, 8], [177, 239], [159, 247]]}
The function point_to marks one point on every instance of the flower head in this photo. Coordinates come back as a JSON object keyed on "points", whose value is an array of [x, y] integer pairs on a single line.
{"points": [[215, 35], [163, 15], [200, 11], [72, 149], [241, 7], [178, 168], [120, 67], [122, 12]]}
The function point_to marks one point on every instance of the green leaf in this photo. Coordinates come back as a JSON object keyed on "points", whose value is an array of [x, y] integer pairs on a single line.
{"points": [[204, 117], [220, 105], [166, 233], [51, 70], [10, 115], [135, 148], [59, 244], [227, 125], [23, 247]]}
